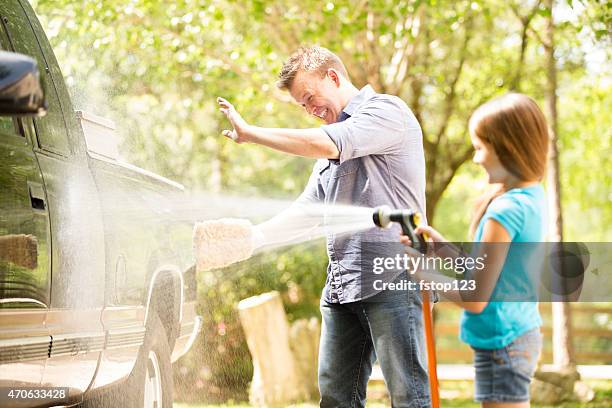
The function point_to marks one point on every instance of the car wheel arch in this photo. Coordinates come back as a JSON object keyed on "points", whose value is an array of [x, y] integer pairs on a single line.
{"points": [[165, 299]]}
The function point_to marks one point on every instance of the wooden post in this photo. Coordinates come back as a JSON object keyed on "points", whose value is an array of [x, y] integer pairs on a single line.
{"points": [[275, 379], [304, 337]]}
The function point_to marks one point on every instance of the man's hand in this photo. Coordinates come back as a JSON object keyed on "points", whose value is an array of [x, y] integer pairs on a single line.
{"points": [[240, 132], [301, 142]]}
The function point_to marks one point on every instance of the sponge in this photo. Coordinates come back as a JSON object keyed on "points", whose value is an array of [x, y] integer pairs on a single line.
{"points": [[222, 242]]}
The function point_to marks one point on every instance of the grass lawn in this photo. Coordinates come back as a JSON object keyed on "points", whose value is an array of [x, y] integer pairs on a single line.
{"points": [[455, 394]]}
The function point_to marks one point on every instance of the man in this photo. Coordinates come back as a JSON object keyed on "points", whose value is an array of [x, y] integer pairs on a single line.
{"points": [[370, 153]]}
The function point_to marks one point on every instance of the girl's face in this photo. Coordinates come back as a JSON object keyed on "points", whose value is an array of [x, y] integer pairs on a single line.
{"points": [[486, 157]]}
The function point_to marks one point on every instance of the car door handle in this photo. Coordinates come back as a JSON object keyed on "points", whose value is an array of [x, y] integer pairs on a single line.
{"points": [[37, 196]]}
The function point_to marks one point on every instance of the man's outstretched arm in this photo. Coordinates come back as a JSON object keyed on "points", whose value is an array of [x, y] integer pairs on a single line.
{"points": [[313, 142]]}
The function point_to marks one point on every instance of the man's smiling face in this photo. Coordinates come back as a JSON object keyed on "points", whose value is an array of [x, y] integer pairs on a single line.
{"points": [[319, 96]]}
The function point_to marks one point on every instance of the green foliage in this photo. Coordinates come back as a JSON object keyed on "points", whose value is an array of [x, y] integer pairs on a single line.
{"points": [[586, 149]]}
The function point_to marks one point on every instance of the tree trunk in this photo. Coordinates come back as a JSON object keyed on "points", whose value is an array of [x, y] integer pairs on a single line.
{"points": [[304, 336], [563, 382], [563, 355], [275, 376]]}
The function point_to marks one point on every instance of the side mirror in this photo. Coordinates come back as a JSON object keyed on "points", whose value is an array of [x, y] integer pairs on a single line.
{"points": [[20, 89]]}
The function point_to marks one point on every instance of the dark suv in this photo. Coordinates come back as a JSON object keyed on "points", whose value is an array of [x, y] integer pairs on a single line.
{"points": [[97, 284]]}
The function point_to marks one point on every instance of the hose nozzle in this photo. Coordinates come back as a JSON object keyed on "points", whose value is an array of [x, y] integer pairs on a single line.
{"points": [[408, 219]]}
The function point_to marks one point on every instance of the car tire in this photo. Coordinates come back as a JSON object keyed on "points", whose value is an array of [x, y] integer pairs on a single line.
{"points": [[150, 383], [154, 381]]}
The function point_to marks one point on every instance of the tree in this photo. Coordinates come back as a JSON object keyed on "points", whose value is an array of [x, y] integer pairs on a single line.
{"points": [[525, 20], [563, 351]]}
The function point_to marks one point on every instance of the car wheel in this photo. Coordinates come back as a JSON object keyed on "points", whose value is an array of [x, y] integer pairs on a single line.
{"points": [[150, 383], [155, 381]]}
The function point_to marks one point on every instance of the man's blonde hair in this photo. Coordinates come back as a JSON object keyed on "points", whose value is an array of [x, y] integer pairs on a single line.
{"points": [[309, 59]]}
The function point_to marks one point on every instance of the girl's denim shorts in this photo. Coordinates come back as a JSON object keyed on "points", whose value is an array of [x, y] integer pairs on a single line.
{"points": [[504, 375]]}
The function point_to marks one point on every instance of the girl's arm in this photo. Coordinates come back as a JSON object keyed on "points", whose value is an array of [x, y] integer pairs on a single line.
{"points": [[486, 278]]}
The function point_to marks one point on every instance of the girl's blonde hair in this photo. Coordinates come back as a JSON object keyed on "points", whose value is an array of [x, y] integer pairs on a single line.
{"points": [[515, 128]]}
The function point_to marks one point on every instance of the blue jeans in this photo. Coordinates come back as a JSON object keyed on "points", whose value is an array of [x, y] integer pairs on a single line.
{"points": [[388, 326], [504, 375]]}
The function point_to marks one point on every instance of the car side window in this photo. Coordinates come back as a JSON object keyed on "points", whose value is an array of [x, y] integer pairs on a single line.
{"points": [[50, 129]]}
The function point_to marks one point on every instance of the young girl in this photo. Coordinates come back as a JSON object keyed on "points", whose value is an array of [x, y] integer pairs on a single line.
{"points": [[510, 138]]}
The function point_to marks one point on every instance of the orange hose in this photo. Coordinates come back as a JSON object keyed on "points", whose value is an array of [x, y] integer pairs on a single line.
{"points": [[431, 351]]}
